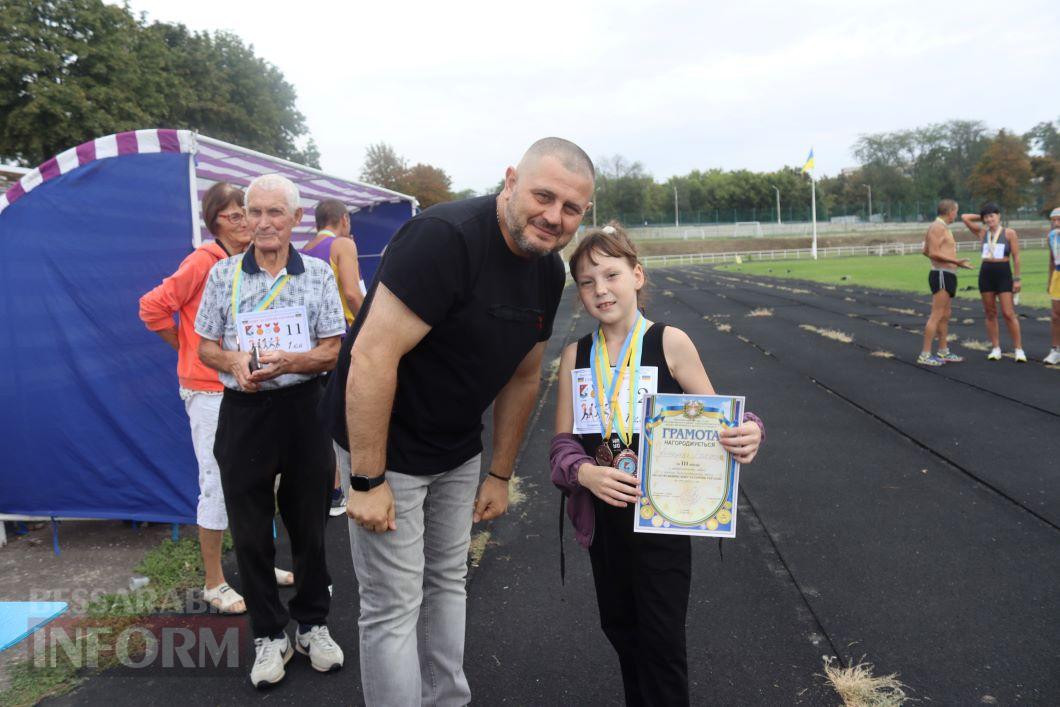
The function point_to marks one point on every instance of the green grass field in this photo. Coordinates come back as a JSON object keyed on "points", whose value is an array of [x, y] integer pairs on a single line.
{"points": [[899, 272]]}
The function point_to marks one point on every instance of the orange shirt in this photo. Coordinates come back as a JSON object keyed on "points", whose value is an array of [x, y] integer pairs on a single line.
{"points": [[180, 294]]}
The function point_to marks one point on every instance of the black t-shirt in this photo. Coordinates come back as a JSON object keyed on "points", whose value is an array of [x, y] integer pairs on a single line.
{"points": [[487, 309]]}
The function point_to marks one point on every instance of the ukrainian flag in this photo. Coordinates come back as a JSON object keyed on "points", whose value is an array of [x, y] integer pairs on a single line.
{"points": [[808, 167]]}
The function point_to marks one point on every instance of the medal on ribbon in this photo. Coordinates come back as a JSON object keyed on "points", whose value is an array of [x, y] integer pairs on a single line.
{"points": [[616, 452]]}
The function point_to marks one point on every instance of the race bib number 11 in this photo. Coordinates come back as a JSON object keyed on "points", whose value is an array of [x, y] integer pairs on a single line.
{"points": [[285, 329]]}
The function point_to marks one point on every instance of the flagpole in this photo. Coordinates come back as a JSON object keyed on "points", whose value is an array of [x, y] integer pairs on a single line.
{"points": [[813, 215]]}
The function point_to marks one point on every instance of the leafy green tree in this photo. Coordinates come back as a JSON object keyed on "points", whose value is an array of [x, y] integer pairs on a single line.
{"points": [[384, 167], [1003, 173], [622, 190], [1045, 137], [73, 70], [430, 185], [309, 155], [228, 93]]}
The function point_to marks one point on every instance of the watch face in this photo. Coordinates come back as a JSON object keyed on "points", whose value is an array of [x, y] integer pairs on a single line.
{"points": [[363, 483]]}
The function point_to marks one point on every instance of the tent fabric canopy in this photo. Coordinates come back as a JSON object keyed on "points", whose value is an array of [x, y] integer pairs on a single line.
{"points": [[92, 423], [218, 161]]}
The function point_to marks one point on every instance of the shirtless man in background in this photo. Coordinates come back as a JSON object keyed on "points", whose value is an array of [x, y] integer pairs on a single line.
{"points": [[941, 248]]}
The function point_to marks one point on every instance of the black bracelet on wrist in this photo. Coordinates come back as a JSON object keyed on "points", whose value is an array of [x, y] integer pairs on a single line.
{"points": [[498, 476]]}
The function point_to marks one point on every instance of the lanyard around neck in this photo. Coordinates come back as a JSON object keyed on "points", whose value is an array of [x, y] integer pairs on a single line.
{"points": [[274, 291], [992, 239], [627, 363]]}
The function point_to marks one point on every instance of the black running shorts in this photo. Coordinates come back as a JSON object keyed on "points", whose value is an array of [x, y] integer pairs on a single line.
{"points": [[943, 280], [995, 277]]}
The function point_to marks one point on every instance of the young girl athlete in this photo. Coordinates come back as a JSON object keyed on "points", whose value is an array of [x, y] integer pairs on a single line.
{"points": [[642, 580]]}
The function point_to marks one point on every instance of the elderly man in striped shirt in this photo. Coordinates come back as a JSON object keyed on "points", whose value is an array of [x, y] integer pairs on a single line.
{"points": [[270, 323]]}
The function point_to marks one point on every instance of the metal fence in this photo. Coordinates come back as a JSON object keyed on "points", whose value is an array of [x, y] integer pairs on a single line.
{"points": [[807, 253], [692, 232], [885, 212]]}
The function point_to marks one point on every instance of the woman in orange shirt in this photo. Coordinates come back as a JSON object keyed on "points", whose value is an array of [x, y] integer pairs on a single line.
{"points": [[200, 389]]}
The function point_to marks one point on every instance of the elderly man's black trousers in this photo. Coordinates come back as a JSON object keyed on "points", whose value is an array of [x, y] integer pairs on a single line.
{"points": [[260, 435]]}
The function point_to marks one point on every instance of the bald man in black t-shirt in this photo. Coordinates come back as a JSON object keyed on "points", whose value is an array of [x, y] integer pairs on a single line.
{"points": [[457, 319]]}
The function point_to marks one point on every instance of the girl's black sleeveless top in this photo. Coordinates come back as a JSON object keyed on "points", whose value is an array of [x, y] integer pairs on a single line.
{"points": [[652, 356]]}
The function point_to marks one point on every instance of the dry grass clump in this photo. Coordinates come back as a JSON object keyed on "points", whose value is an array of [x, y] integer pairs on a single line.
{"points": [[976, 345], [882, 354], [761, 312], [901, 310], [553, 369], [967, 321], [478, 548], [833, 334], [849, 299], [516, 493], [724, 328], [858, 687]]}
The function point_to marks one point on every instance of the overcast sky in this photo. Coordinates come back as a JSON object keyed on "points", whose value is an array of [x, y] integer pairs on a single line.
{"points": [[677, 86]]}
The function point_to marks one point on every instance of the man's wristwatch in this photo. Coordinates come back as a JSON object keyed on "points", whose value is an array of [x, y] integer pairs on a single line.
{"points": [[365, 483]]}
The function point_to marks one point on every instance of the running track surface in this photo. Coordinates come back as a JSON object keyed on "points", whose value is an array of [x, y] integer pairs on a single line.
{"points": [[903, 514]]}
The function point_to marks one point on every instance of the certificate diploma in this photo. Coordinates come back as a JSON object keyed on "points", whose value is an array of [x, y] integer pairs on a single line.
{"points": [[689, 484]]}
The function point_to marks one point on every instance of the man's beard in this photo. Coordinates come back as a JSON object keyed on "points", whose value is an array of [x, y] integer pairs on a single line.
{"points": [[517, 228]]}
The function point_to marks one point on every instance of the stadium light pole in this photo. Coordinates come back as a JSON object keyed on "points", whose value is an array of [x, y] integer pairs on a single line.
{"points": [[870, 200], [778, 203], [677, 218]]}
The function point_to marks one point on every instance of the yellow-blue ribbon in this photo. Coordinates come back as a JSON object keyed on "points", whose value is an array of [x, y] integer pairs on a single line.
{"points": [[237, 288], [601, 367]]}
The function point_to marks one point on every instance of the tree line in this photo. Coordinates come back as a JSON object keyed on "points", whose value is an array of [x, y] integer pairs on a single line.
{"points": [[907, 171], [904, 173]]}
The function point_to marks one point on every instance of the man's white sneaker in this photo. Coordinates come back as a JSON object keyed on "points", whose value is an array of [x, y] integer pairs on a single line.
{"points": [[270, 657], [1053, 358], [324, 654], [1020, 356], [994, 355]]}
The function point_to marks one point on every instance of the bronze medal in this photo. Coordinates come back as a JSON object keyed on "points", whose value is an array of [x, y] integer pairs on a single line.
{"points": [[626, 461], [604, 457]]}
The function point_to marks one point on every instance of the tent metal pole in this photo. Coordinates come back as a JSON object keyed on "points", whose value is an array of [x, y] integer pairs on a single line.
{"points": [[193, 196]]}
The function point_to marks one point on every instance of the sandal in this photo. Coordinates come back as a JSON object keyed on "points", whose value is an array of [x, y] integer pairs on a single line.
{"points": [[283, 577], [223, 598]]}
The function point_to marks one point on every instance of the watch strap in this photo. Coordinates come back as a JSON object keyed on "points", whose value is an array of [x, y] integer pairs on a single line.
{"points": [[359, 482]]}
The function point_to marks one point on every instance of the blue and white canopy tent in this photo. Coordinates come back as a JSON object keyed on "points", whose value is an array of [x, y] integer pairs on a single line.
{"points": [[92, 426]]}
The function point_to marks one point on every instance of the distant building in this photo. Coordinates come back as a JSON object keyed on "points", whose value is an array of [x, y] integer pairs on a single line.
{"points": [[9, 174]]}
